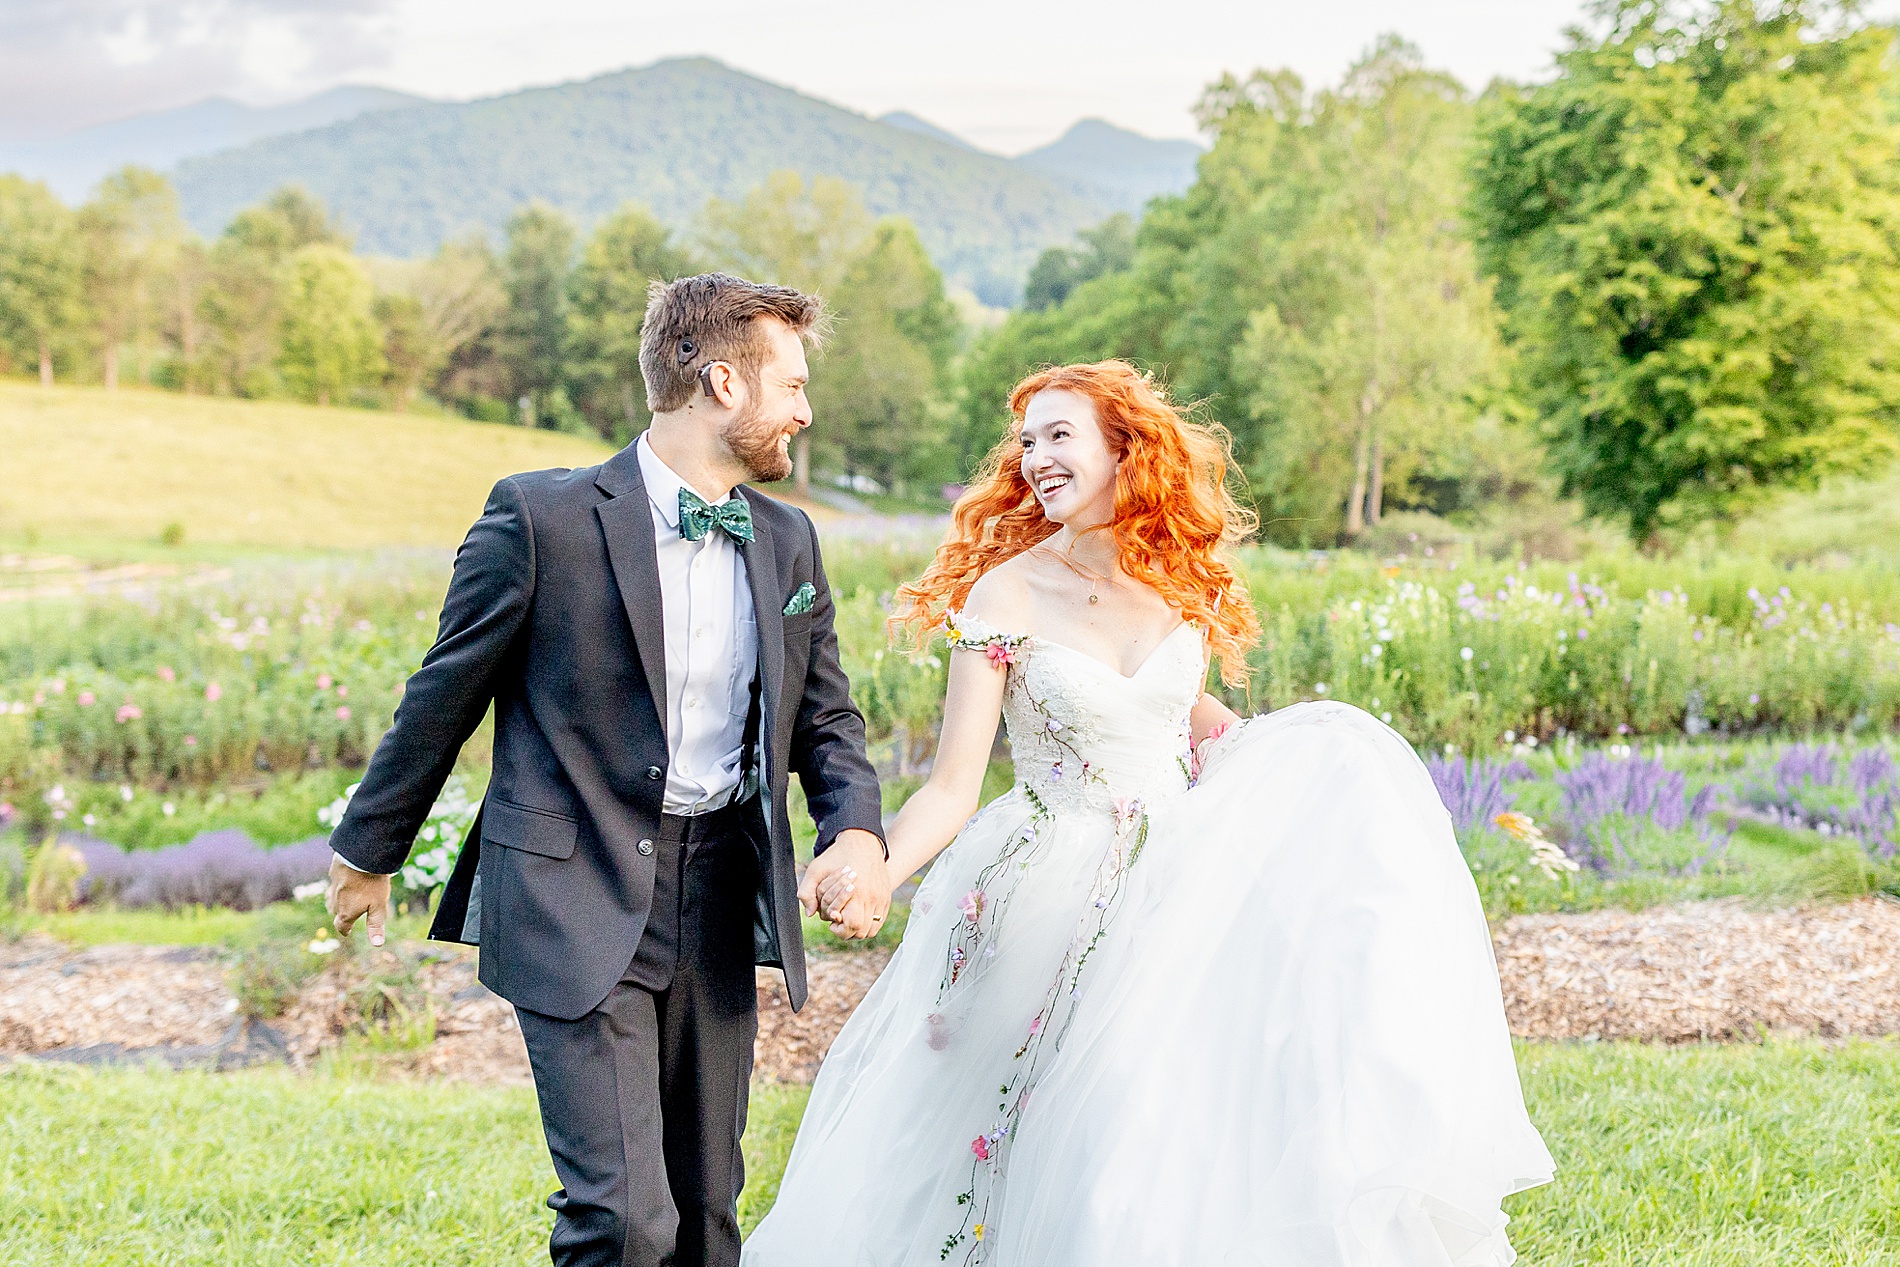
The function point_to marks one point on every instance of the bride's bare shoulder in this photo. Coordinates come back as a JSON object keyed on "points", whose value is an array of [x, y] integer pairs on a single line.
{"points": [[1003, 597]]}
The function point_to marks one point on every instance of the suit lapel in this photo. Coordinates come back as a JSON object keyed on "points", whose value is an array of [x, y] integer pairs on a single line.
{"points": [[626, 522], [761, 566]]}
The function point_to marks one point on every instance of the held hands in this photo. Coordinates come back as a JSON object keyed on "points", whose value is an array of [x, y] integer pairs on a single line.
{"points": [[849, 886], [354, 895]]}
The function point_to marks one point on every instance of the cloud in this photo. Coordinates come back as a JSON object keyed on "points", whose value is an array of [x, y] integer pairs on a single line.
{"points": [[67, 64]]}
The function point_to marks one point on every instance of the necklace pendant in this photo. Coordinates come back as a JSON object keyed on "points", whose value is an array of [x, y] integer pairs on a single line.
{"points": [[1094, 599]]}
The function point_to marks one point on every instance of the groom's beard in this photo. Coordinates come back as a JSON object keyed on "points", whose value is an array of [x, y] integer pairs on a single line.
{"points": [[753, 439]]}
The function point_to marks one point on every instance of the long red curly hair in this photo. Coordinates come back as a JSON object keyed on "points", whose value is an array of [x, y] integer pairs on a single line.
{"points": [[1174, 516]]}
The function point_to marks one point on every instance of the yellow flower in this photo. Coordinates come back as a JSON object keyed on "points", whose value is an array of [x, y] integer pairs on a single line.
{"points": [[979, 1231], [1517, 825]]}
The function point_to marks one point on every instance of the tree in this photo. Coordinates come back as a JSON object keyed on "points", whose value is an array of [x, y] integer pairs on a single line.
{"points": [[39, 270], [1377, 327], [1109, 247], [534, 330], [130, 232], [1311, 292], [608, 299], [883, 367], [241, 301], [881, 391], [1694, 229], [329, 341]]}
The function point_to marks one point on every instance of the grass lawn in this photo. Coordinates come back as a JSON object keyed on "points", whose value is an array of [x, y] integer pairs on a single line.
{"points": [[1715, 1156], [258, 473]]}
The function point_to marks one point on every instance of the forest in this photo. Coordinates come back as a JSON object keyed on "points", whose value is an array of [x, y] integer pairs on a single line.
{"points": [[1665, 283]]}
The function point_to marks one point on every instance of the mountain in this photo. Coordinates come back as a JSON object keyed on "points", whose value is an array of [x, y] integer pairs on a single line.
{"points": [[74, 163], [923, 127], [1124, 165], [670, 135]]}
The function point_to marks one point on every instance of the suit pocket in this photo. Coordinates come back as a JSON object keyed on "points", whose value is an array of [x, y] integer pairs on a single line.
{"points": [[537, 831], [798, 626]]}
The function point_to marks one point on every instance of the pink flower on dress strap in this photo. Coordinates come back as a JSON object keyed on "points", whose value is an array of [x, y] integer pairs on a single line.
{"points": [[1197, 754], [1000, 654]]}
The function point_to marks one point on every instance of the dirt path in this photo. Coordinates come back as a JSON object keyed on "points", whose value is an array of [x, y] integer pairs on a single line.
{"points": [[1703, 970]]}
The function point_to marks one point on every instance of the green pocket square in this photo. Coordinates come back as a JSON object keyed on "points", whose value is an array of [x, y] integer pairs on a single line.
{"points": [[801, 602]]}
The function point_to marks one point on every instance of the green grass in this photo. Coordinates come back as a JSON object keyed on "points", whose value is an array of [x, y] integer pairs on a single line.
{"points": [[1717, 1156], [1714, 1156], [121, 466]]}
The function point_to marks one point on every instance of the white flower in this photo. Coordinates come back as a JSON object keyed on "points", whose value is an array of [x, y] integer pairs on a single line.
{"points": [[323, 946], [313, 889], [1465, 654]]}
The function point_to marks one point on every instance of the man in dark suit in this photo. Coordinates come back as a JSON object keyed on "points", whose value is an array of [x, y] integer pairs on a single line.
{"points": [[659, 652]]}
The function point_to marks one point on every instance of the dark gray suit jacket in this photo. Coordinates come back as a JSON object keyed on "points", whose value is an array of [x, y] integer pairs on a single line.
{"points": [[553, 614]]}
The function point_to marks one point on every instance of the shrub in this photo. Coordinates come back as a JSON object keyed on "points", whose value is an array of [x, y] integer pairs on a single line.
{"points": [[220, 868]]}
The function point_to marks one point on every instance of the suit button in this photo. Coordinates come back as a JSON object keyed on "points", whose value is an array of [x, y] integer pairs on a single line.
{"points": [[645, 847], [654, 772]]}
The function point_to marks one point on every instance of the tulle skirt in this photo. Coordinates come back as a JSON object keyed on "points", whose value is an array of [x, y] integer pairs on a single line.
{"points": [[1256, 1023]]}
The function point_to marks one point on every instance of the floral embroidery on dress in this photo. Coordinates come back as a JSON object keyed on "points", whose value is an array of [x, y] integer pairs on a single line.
{"points": [[1053, 718], [990, 1150]]}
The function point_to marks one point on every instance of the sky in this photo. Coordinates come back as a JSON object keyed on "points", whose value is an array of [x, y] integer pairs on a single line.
{"points": [[1006, 74]]}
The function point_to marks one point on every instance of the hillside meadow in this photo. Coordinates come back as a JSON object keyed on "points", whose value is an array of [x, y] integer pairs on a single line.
{"points": [[86, 466]]}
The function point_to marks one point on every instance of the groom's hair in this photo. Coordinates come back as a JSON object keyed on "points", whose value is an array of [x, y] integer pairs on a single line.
{"points": [[695, 321]]}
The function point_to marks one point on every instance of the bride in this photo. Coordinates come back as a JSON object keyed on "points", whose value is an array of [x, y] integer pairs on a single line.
{"points": [[1196, 990]]}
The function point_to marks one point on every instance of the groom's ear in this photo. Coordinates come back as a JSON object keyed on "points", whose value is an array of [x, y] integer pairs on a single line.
{"points": [[721, 384]]}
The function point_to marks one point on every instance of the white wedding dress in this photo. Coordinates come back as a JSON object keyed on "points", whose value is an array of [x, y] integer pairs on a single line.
{"points": [[1251, 1020]]}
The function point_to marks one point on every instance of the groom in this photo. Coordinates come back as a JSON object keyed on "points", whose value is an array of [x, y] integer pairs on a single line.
{"points": [[659, 652]]}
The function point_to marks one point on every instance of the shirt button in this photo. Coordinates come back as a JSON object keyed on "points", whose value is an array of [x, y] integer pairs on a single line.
{"points": [[645, 847], [654, 772]]}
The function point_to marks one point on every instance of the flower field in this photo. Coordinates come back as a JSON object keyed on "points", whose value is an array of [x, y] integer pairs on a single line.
{"points": [[1649, 729]]}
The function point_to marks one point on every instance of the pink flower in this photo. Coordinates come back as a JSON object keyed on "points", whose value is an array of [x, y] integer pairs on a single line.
{"points": [[936, 1031], [191, 741], [59, 685], [87, 699], [972, 905], [342, 692], [323, 681], [1127, 809], [213, 692], [999, 654], [343, 713], [981, 1147], [1035, 1027], [129, 712], [167, 674]]}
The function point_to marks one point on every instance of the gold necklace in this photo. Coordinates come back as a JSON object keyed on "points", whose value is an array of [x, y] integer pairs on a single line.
{"points": [[1090, 577]]}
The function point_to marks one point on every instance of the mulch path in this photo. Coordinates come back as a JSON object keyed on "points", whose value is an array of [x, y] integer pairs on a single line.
{"points": [[1704, 970]]}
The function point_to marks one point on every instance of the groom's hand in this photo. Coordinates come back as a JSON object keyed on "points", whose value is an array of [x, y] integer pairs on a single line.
{"points": [[354, 895], [849, 885]]}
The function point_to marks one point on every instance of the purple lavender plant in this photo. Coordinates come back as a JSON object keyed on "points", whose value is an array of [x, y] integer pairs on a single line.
{"points": [[1810, 786], [1609, 801], [218, 868], [1473, 788]]}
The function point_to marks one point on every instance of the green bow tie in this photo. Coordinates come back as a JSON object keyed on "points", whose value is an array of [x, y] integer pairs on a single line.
{"points": [[698, 516]]}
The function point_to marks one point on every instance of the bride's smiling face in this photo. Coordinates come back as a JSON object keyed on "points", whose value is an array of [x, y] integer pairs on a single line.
{"points": [[1066, 459]]}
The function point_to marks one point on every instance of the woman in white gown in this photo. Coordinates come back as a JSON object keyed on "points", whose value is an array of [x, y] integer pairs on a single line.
{"points": [[1194, 991]]}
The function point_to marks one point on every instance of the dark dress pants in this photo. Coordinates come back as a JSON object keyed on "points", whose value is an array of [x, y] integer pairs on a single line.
{"points": [[643, 1100]]}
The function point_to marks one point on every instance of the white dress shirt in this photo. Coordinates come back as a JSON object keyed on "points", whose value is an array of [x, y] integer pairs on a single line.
{"points": [[712, 648]]}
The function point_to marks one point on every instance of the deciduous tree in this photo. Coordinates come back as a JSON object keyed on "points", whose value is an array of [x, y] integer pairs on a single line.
{"points": [[608, 299], [39, 271], [329, 342], [1695, 230]]}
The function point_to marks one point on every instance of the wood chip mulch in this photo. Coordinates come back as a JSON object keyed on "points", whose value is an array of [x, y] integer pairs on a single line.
{"points": [[1705, 970]]}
